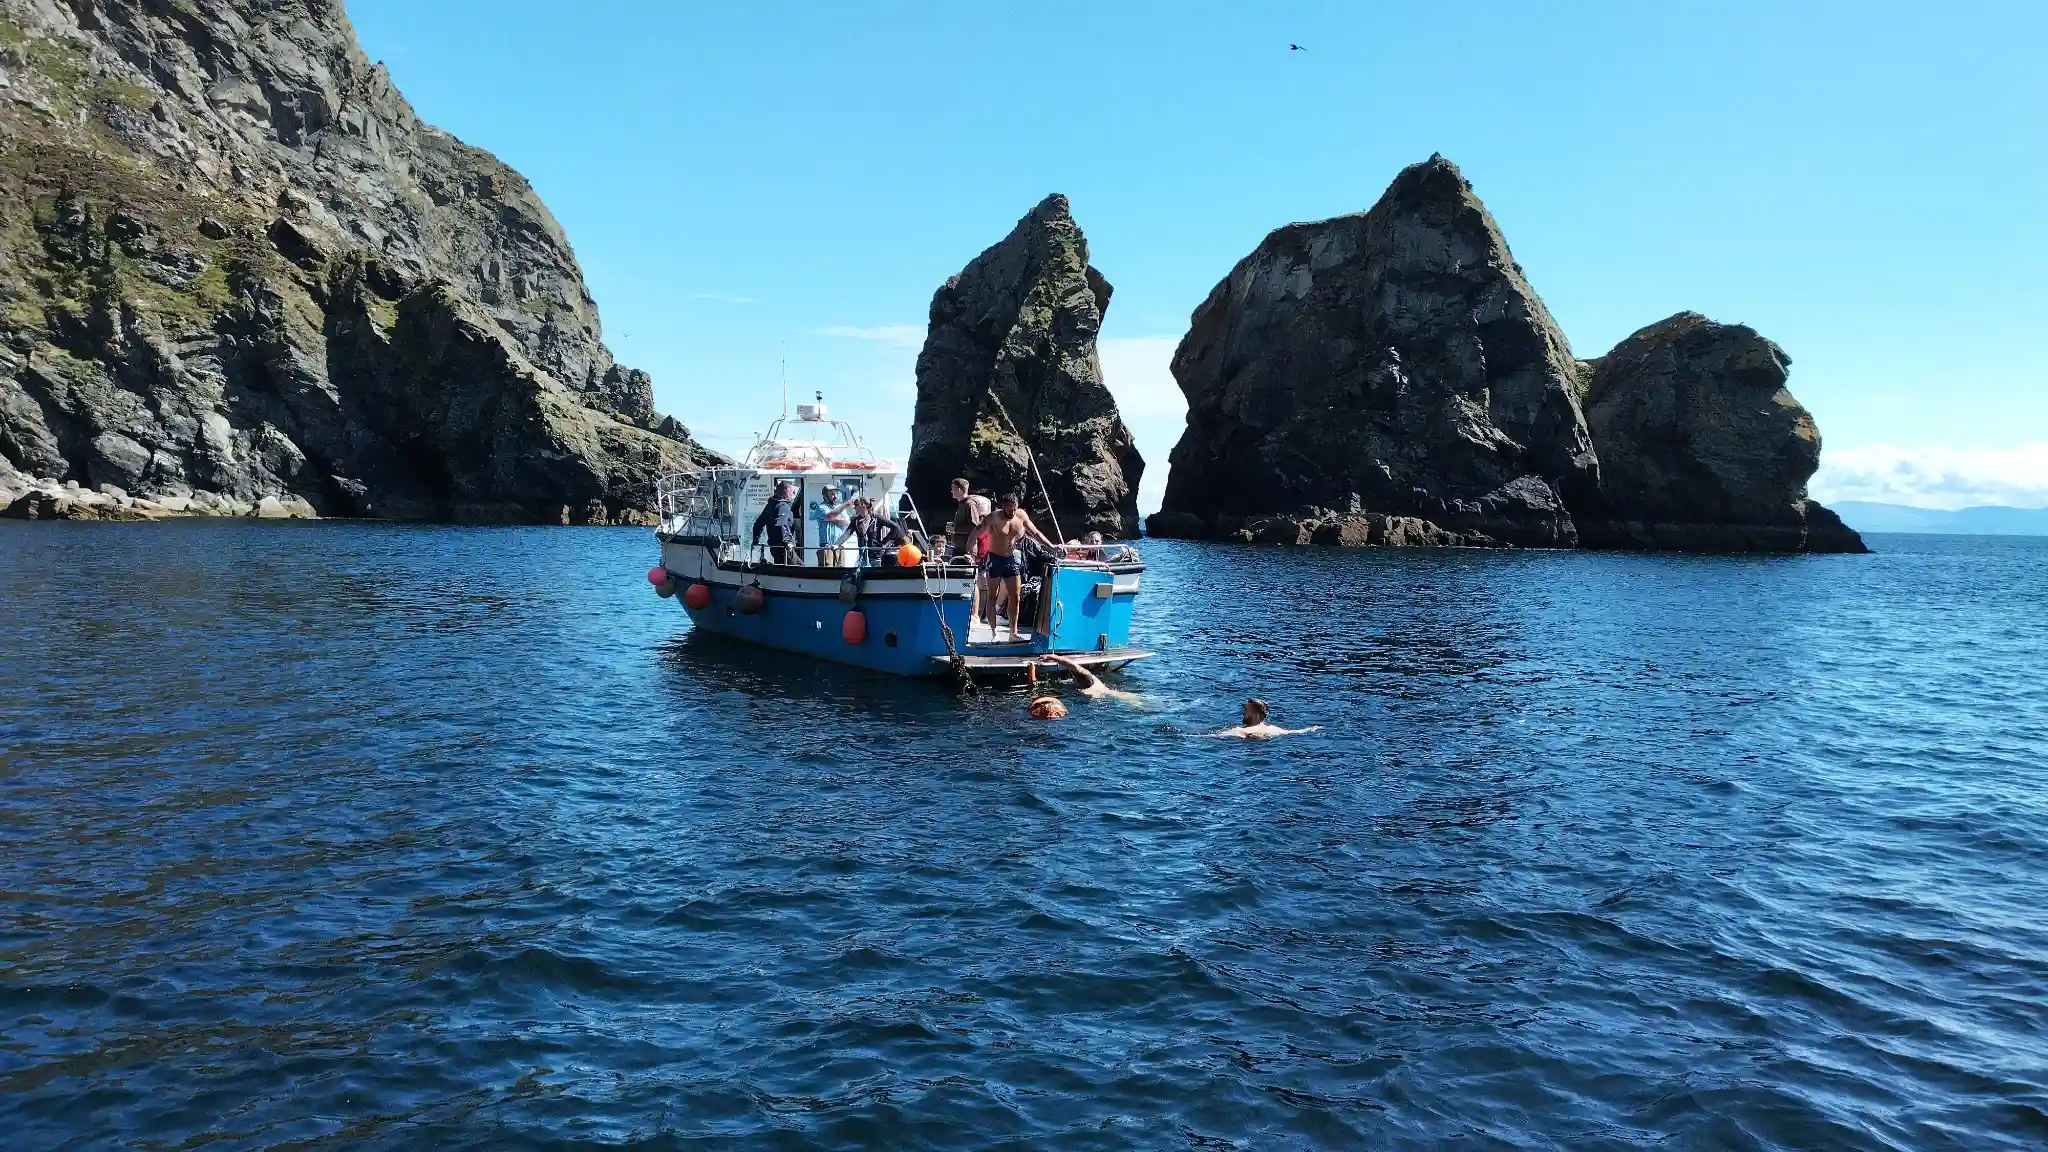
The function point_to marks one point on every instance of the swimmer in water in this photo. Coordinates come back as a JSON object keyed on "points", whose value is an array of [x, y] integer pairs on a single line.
{"points": [[1090, 684], [1048, 708], [1256, 728]]}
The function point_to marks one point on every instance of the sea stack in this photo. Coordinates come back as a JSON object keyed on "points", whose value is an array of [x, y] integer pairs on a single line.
{"points": [[1009, 364], [1702, 447], [1386, 377], [240, 275]]}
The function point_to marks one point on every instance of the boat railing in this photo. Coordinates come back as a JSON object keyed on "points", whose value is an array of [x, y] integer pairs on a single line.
{"points": [[1107, 553], [842, 450]]}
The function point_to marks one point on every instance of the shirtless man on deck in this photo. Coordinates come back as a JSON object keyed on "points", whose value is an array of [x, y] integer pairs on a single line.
{"points": [[1007, 525]]}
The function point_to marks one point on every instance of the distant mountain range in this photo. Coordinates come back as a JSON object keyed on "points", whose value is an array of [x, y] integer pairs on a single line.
{"points": [[1986, 520]]}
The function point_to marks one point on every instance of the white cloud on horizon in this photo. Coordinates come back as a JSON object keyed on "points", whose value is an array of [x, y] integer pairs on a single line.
{"points": [[1934, 475], [891, 335]]}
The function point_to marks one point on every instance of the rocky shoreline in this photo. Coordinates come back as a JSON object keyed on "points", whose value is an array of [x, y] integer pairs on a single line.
{"points": [[44, 498], [47, 499]]}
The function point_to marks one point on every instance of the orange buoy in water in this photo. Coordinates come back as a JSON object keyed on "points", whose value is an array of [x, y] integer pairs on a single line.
{"points": [[697, 596], [854, 629], [750, 599], [909, 556]]}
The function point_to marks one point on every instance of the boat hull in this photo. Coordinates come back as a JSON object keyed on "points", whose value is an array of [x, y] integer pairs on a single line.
{"points": [[908, 612], [806, 613]]}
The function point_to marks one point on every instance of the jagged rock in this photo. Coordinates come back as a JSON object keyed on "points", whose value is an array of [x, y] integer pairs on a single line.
{"points": [[1014, 335], [1391, 363], [1702, 447], [244, 270]]}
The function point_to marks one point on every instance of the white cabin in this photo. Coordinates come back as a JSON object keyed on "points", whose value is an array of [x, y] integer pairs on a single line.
{"points": [[818, 454]]}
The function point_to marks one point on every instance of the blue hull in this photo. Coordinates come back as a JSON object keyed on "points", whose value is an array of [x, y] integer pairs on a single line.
{"points": [[902, 634], [1083, 618], [1086, 609]]}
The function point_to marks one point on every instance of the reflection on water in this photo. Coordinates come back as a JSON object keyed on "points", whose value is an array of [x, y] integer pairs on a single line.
{"points": [[383, 836]]}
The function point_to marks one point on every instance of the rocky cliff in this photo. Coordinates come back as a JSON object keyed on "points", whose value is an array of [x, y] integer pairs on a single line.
{"points": [[239, 273], [1390, 378], [1010, 362], [1389, 375], [1702, 447]]}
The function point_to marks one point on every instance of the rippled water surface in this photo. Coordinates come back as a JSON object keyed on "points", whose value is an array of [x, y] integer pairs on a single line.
{"points": [[353, 836]]}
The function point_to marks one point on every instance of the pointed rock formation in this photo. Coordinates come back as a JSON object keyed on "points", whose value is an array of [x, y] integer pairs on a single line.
{"points": [[237, 272], [1009, 364], [1388, 368], [1702, 447]]}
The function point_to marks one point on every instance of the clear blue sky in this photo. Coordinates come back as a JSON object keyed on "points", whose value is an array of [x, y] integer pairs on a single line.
{"points": [[1865, 183]]}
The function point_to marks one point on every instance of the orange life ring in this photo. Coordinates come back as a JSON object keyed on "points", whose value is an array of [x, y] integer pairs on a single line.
{"points": [[853, 465]]}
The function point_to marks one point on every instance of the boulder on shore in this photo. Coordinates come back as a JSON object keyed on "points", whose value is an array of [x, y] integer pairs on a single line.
{"points": [[1009, 371], [1392, 363], [1702, 447]]}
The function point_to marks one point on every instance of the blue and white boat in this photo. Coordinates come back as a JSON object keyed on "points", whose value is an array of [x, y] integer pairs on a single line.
{"points": [[867, 610]]}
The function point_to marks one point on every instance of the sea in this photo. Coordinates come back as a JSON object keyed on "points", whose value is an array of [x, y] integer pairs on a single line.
{"points": [[362, 836]]}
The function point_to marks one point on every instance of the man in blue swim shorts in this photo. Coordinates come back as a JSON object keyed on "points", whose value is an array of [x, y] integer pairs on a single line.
{"points": [[1004, 569]]}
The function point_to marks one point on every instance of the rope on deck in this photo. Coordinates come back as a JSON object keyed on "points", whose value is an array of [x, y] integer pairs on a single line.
{"points": [[956, 661], [1031, 458]]}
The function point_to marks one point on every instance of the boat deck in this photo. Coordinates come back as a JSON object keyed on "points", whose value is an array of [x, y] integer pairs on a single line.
{"points": [[981, 635], [998, 662]]}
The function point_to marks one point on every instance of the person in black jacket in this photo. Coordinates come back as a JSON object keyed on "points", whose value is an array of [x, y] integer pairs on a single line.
{"points": [[779, 520], [879, 536]]}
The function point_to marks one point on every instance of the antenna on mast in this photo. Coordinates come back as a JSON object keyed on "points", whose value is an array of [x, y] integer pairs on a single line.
{"points": [[785, 379]]}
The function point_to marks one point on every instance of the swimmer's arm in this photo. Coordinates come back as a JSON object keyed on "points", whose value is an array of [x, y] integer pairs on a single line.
{"points": [[1081, 675]]}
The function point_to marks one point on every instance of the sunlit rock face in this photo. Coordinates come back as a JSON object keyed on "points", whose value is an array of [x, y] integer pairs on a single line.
{"points": [[1009, 370], [1702, 447], [236, 266], [1392, 363]]}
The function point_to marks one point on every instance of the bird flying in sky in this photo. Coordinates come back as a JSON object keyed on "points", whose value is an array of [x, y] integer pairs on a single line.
{"points": [[1296, 48]]}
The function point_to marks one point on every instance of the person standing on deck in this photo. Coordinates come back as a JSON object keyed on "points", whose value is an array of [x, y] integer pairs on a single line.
{"points": [[963, 538], [968, 513], [877, 535], [1008, 525], [778, 519], [831, 517]]}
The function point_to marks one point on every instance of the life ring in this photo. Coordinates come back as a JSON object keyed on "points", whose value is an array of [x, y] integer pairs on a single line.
{"points": [[854, 465]]}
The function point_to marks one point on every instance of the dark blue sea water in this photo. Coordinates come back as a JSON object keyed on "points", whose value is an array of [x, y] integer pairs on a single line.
{"points": [[346, 836]]}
